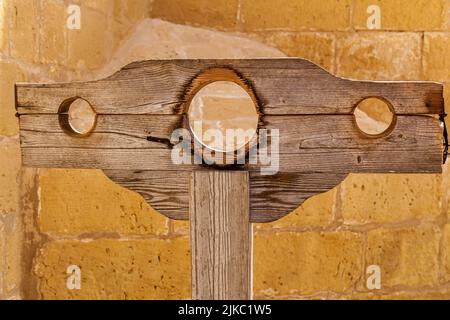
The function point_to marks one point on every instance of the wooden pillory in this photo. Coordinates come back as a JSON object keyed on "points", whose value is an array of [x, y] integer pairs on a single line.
{"points": [[139, 107]]}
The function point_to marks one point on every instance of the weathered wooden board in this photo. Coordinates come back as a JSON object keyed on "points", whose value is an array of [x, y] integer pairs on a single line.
{"points": [[271, 197], [283, 86], [139, 107], [220, 235], [332, 160], [110, 132], [121, 142], [296, 132]]}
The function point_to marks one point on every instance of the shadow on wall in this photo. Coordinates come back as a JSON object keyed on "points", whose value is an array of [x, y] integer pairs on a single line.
{"points": [[157, 39]]}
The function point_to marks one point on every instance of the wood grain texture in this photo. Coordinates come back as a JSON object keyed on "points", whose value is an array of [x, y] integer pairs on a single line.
{"points": [[323, 143], [330, 160], [282, 86], [111, 131], [139, 107], [220, 235], [166, 191], [296, 132], [271, 197]]}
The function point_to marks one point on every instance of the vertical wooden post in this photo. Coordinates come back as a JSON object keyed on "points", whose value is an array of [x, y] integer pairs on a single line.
{"points": [[220, 235]]}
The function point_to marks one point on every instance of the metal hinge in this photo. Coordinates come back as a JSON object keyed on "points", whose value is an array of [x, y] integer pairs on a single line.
{"points": [[445, 136]]}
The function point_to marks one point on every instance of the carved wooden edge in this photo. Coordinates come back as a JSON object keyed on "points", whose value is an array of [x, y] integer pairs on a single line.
{"points": [[282, 86], [271, 197]]}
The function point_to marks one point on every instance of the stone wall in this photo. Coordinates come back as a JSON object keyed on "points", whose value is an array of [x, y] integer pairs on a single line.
{"points": [[36, 46], [50, 219]]}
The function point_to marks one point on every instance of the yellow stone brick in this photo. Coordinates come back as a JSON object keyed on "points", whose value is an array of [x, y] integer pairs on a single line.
{"points": [[407, 15], [446, 175], [387, 198], [181, 227], [89, 47], [407, 256], [9, 171], [126, 15], [13, 252], [111, 269], [4, 30], [304, 263], [446, 253], [316, 47], [102, 6], [120, 33], [2, 256], [379, 56], [436, 56], [131, 11], [295, 15], [24, 29], [373, 116], [316, 211], [442, 294], [53, 32], [220, 14], [75, 202], [10, 74]]}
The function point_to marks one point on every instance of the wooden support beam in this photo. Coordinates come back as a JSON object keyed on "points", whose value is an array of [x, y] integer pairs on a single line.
{"points": [[221, 235]]}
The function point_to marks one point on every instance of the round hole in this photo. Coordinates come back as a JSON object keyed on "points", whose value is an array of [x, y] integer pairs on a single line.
{"points": [[374, 116], [223, 116], [77, 116]]}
